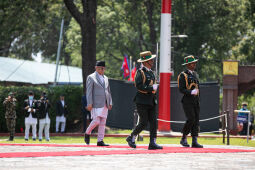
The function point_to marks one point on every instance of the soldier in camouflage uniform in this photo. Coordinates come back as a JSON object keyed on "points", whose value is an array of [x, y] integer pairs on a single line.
{"points": [[145, 100], [10, 114]]}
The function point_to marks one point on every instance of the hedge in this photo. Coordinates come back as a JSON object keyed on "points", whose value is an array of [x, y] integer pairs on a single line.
{"points": [[72, 94]]}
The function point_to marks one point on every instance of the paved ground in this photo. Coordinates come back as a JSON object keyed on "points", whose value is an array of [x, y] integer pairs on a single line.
{"points": [[139, 161]]}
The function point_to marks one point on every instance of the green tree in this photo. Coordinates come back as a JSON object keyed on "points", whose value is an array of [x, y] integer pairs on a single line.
{"points": [[213, 28], [29, 27], [123, 27], [21, 22]]}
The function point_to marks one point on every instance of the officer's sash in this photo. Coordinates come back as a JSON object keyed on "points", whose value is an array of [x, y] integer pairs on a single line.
{"points": [[186, 80]]}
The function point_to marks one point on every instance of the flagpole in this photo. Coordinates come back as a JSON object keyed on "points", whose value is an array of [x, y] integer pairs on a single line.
{"points": [[133, 74], [165, 66], [130, 69], [156, 72], [58, 53]]}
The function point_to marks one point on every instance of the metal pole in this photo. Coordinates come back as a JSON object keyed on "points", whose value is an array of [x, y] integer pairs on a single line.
{"points": [[224, 127], [59, 49], [130, 65], [156, 71], [248, 127], [228, 142]]}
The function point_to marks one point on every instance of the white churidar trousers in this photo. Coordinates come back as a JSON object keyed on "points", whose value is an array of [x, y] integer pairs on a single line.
{"points": [[99, 116]]}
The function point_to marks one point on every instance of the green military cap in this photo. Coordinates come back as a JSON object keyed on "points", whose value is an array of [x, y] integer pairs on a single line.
{"points": [[189, 59], [145, 56]]}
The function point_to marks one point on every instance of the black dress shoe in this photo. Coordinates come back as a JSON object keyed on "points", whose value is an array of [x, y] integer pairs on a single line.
{"points": [[40, 140], [184, 143], [101, 143], [26, 139], [34, 139], [87, 138], [130, 143], [153, 146]]}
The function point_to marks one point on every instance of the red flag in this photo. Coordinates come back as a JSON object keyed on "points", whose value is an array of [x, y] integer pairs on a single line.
{"points": [[125, 67], [132, 74]]}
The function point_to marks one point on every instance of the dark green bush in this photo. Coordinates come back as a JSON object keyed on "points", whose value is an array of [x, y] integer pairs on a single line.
{"points": [[72, 94]]}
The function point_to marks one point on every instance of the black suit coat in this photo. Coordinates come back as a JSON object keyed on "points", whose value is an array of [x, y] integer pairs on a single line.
{"points": [[34, 106], [60, 110], [43, 108]]}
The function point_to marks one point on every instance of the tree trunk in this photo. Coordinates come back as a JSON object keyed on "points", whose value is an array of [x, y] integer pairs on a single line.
{"points": [[149, 9], [88, 49], [87, 22]]}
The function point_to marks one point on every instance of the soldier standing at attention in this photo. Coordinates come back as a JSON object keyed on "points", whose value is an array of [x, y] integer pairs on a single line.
{"points": [[145, 100], [10, 114], [188, 84]]}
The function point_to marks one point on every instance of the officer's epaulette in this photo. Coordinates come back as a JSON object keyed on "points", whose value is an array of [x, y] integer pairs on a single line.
{"points": [[185, 76]]}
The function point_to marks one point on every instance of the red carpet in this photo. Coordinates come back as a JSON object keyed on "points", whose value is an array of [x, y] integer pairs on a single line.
{"points": [[140, 150]]}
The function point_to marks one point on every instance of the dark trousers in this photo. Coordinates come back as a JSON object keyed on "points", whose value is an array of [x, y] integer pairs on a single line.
{"points": [[147, 113], [192, 123], [84, 117]]}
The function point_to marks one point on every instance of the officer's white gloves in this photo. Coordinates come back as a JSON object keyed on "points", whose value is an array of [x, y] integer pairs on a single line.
{"points": [[155, 86], [194, 92]]}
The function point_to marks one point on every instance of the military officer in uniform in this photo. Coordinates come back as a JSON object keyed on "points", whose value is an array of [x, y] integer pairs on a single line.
{"points": [[145, 100], [30, 107], [10, 114], [188, 84]]}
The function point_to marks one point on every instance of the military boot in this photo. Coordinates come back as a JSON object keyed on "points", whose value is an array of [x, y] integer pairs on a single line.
{"points": [[153, 145], [195, 144], [131, 141], [184, 141], [10, 138]]}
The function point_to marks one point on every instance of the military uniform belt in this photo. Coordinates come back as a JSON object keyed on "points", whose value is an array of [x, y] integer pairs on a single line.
{"points": [[145, 92]]}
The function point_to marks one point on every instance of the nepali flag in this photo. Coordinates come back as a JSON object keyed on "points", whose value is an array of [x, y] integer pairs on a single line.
{"points": [[132, 78], [125, 67]]}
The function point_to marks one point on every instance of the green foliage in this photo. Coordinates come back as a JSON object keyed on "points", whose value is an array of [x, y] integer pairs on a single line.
{"points": [[72, 97], [217, 30], [30, 27], [213, 28], [248, 97]]}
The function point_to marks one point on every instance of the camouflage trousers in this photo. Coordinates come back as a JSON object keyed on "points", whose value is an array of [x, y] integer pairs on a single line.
{"points": [[11, 122]]}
